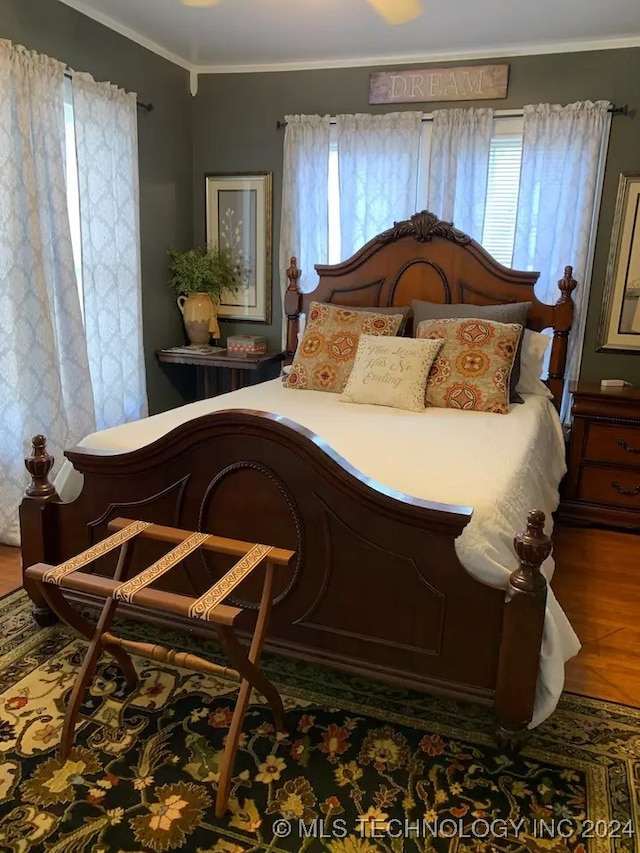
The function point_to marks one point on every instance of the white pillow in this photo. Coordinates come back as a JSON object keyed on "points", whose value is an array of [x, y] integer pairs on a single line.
{"points": [[302, 322], [391, 371], [532, 364]]}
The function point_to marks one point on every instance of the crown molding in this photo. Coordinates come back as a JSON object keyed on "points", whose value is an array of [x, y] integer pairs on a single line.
{"points": [[132, 35], [351, 62], [414, 59]]}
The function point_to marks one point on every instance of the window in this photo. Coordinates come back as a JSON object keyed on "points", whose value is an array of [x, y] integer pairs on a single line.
{"points": [[334, 200], [73, 192], [101, 172], [502, 189], [501, 207]]}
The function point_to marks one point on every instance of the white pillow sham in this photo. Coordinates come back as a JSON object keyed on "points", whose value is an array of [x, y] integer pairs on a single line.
{"points": [[391, 371], [532, 363]]}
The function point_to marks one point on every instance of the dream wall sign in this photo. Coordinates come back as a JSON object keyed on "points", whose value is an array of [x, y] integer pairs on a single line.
{"points": [[454, 83]]}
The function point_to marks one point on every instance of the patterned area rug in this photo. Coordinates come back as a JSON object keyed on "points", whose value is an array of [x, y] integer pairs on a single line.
{"points": [[362, 767]]}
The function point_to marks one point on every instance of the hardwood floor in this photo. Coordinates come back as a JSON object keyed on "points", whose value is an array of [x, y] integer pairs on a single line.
{"points": [[10, 569], [597, 582]]}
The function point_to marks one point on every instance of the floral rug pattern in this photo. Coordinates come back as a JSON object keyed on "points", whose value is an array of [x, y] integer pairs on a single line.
{"points": [[361, 767]]}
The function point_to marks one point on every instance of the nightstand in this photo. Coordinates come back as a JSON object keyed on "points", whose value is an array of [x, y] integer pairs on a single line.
{"points": [[602, 485], [242, 368]]}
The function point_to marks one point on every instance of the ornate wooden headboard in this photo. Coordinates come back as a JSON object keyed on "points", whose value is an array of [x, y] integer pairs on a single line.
{"points": [[425, 258]]}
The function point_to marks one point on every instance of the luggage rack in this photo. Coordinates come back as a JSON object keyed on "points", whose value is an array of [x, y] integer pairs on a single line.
{"points": [[137, 590]]}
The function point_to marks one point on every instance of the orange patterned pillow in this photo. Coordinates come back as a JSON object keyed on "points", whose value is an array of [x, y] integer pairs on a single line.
{"points": [[326, 353], [473, 368]]}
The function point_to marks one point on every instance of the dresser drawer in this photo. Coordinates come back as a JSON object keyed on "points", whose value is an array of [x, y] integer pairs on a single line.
{"points": [[613, 486], [613, 443]]}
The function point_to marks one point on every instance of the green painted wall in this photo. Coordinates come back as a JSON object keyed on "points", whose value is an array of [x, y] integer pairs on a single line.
{"points": [[165, 145], [235, 131]]}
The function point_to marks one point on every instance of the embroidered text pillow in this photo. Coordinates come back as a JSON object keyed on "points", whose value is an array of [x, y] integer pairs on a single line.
{"points": [[391, 372], [325, 355], [473, 368]]}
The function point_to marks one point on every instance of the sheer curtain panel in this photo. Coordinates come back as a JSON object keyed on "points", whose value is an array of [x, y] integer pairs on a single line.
{"points": [[106, 125], [558, 204], [304, 224], [378, 157], [43, 359], [459, 167]]}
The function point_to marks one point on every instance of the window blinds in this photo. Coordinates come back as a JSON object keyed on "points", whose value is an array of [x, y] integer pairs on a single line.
{"points": [[502, 196]]}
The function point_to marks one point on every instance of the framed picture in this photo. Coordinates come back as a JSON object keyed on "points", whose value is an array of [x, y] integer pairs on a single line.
{"points": [[238, 214], [620, 321]]}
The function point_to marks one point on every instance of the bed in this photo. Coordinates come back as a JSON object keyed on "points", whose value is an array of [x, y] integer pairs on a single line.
{"points": [[402, 523]]}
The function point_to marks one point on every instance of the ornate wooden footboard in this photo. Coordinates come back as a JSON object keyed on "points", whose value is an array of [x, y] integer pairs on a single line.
{"points": [[376, 588]]}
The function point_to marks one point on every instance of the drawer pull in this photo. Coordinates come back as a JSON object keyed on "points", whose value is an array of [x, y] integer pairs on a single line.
{"points": [[623, 444], [633, 492]]}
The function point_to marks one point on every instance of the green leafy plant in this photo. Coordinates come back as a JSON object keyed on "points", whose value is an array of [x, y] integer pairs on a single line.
{"points": [[202, 270]]}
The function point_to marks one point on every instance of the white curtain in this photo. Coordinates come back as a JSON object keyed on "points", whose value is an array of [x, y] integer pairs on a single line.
{"points": [[304, 226], [44, 374], [378, 158], [558, 204], [459, 166], [106, 126]]}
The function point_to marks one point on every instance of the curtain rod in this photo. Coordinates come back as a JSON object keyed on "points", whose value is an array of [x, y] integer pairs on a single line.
{"points": [[615, 111], [141, 106]]}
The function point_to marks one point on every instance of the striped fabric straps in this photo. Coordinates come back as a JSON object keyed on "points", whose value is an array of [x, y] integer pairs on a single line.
{"points": [[127, 591], [204, 606], [57, 574]]}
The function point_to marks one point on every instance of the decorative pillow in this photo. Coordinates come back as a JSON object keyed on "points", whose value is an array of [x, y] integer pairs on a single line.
{"points": [[473, 368], [512, 312], [534, 349], [325, 355], [391, 372]]}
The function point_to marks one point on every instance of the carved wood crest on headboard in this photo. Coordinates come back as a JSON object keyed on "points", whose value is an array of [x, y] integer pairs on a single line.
{"points": [[423, 226]]}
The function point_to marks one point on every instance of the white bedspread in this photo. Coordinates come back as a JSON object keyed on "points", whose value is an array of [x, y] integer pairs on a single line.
{"points": [[500, 465]]}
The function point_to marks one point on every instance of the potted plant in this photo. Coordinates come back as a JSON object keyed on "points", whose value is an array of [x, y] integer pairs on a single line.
{"points": [[199, 276]]}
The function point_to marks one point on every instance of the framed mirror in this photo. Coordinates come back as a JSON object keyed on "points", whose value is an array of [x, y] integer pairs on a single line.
{"points": [[620, 320]]}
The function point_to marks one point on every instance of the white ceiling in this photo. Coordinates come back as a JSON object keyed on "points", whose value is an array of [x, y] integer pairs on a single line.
{"points": [[254, 35]]}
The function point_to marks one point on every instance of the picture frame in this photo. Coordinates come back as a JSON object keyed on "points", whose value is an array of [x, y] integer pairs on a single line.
{"points": [[620, 319], [239, 218]]}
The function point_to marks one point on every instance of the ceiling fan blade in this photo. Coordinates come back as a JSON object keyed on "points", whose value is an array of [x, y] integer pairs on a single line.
{"points": [[199, 4], [398, 11]]}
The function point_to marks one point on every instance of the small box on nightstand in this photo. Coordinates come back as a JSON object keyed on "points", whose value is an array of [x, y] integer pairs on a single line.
{"points": [[246, 345]]}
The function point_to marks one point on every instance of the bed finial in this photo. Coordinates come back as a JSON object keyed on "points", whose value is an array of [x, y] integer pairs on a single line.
{"points": [[567, 285], [532, 547], [563, 319], [292, 308], [522, 629], [39, 464], [293, 274]]}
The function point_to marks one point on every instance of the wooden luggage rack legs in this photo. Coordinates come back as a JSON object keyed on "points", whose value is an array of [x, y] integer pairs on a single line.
{"points": [[209, 607]]}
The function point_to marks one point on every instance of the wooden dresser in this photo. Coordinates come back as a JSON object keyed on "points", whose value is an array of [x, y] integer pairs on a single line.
{"points": [[602, 485]]}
